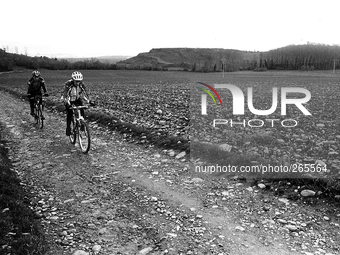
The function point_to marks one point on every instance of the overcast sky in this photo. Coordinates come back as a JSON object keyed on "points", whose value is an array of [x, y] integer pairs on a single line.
{"points": [[128, 27]]}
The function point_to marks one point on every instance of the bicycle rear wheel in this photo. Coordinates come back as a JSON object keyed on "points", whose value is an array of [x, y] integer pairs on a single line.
{"points": [[73, 135], [84, 137]]}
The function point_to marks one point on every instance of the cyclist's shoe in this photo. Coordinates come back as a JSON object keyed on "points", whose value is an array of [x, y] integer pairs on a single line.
{"points": [[42, 117], [82, 128], [32, 114]]}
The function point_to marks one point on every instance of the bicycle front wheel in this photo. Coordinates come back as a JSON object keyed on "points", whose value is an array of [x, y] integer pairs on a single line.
{"points": [[73, 134], [84, 137], [39, 120]]}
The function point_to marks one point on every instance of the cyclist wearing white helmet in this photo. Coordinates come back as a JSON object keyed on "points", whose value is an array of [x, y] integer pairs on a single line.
{"points": [[74, 93], [35, 86]]}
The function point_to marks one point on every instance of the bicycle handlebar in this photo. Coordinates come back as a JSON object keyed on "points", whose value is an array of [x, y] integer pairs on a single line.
{"points": [[37, 96], [79, 107]]}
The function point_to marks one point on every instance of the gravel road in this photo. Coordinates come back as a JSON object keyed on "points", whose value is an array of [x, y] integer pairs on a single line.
{"points": [[124, 198]]}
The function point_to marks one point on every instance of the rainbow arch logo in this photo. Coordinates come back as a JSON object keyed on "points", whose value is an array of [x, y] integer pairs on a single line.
{"points": [[209, 93]]}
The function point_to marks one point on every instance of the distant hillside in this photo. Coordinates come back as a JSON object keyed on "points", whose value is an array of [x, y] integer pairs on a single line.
{"points": [[192, 59], [11, 61], [310, 56], [103, 59]]}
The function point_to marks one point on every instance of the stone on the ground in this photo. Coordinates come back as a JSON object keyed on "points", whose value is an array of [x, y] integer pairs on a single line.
{"points": [[308, 193], [80, 252]]}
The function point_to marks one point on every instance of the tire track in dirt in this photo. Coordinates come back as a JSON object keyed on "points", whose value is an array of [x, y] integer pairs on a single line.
{"points": [[119, 190]]}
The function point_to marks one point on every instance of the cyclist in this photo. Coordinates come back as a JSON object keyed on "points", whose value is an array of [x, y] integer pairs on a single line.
{"points": [[74, 93], [35, 86]]}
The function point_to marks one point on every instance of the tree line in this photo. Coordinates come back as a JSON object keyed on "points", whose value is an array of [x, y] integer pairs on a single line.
{"points": [[302, 57], [8, 61], [293, 57]]}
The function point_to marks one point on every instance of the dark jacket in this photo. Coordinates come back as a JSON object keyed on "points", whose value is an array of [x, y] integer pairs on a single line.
{"points": [[35, 86]]}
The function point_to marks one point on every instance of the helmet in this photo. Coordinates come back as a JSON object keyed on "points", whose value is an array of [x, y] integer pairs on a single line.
{"points": [[36, 73], [77, 76]]}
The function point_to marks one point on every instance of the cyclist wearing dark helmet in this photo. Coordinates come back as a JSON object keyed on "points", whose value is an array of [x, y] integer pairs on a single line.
{"points": [[35, 86], [74, 93]]}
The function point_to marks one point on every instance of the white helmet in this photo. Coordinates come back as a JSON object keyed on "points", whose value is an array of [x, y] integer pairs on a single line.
{"points": [[77, 76], [36, 73]]}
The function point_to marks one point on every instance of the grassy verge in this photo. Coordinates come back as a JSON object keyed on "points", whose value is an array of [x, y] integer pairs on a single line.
{"points": [[20, 231], [215, 159]]}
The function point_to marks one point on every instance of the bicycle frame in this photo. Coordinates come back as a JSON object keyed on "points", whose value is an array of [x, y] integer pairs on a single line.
{"points": [[80, 129], [39, 103], [76, 112], [38, 100]]}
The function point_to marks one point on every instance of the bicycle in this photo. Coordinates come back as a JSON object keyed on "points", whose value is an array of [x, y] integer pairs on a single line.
{"points": [[80, 129], [39, 105]]}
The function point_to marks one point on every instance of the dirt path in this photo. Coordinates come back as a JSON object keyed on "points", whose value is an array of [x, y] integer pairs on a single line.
{"points": [[124, 198]]}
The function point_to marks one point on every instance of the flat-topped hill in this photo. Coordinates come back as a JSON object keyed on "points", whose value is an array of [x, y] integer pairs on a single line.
{"points": [[193, 59]]}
